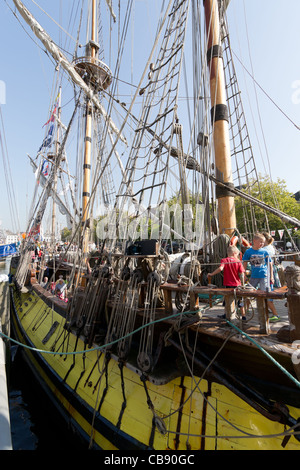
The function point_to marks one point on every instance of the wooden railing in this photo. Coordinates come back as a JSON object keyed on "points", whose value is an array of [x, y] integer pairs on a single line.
{"points": [[230, 295]]}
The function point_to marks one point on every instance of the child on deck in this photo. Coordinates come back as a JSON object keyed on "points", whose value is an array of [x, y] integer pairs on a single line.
{"points": [[261, 268], [60, 288], [233, 272]]}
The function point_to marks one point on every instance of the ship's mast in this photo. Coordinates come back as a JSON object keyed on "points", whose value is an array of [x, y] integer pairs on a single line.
{"points": [[98, 76], [219, 113], [57, 148], [88, 141], [75, 70]]}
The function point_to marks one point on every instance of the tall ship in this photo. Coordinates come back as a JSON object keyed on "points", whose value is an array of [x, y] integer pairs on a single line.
{"points": [[130, 349]]}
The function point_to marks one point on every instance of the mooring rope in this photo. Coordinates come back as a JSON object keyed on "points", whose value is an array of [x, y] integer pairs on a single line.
{"points": [[96, 348], [100, 348], [296, 382]]}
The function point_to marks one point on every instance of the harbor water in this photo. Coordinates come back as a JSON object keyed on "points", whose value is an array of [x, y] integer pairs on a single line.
{"points": [[35, 422]]}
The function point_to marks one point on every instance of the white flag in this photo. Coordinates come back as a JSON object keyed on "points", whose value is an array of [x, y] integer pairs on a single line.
{"points": [[280, 233]]}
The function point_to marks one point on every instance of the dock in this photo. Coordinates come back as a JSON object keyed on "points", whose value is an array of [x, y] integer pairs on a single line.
{"points": [[5, 429]]}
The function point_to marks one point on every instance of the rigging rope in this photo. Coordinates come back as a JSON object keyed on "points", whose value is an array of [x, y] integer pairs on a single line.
{"points": [[96, 348], [163, 74], [8, 179], [260, 87], [146, 325]]}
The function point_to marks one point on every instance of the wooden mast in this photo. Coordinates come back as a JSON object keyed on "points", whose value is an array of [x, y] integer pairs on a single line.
{"points": [[57, 145], [88, 143], [219, 113]]}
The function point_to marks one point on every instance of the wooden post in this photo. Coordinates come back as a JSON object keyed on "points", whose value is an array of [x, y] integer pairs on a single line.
{"points": [[294, 317], [292, 274], [194, 303], [263, 317], [230, 307], [219, 113]]}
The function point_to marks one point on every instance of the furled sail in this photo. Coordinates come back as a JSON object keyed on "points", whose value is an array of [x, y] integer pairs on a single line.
{"points": [[109, 4]]}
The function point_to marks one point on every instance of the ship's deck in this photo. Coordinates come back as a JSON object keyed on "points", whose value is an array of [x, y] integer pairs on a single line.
{"points": [[211, 318], [270, 335]]}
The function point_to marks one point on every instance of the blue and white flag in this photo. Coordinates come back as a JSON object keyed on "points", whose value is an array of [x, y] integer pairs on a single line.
{"points": [[45, 168], [6, 250], [48, 139]]}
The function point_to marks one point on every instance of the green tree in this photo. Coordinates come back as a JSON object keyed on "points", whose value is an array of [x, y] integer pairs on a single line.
{"points": [[65, 234], [274, 194]]}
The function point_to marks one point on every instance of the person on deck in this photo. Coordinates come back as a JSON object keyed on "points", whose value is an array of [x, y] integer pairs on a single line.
{"points": [[261, 269], [94, 260], [272, 252], [288, 246], [44, 284], [60, 288], [233, 274]]}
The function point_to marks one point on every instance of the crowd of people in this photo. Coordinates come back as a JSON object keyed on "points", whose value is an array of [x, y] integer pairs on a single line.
{"points": [[58, 287], [42, 248]]}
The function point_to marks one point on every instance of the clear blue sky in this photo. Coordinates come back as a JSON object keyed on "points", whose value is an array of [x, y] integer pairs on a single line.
{"points": [[272, 38]]}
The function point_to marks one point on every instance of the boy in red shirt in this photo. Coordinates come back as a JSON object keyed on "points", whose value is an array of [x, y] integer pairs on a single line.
{"points": [[233, 273]]}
